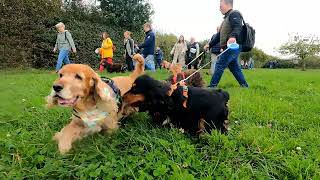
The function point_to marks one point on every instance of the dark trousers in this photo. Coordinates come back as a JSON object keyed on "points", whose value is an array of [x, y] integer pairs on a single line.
{"points": [[129, 63], [195, 63], [158, 63], [228, 59]]}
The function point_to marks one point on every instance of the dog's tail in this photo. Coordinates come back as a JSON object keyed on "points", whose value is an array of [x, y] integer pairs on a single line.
{"points": [[139, 68]]}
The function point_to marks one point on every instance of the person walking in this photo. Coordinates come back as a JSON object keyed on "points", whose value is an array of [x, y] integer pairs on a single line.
{"points": [[179, 51], [106, 52], [194, 51], [64, 43], [159, 57], [230, 32], [214, 48], [251, 63], [148, 47], [242, 64], [129, 50]]}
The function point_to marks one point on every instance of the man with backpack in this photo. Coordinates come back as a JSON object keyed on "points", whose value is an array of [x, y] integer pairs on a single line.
{"points": [[193, 52], [231, 31]]}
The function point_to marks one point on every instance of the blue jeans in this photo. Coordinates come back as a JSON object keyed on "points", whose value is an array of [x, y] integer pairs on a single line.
{"points": [[62, 58], [228, 59], [149, 62]]}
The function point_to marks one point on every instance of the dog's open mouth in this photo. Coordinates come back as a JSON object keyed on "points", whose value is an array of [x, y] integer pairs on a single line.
{"points": [[67, 102]]}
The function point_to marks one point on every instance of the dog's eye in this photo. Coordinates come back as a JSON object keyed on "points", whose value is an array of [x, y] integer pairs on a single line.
{"points": [[78, 77], [60, 75]]}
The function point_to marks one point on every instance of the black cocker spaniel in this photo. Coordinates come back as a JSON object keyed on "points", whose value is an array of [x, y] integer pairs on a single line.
{"points": [[193, 109]]}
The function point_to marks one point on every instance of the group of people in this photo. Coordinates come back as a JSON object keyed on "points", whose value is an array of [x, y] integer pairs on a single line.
{"points": [[183, 53], [65, 43], [247, 64]]}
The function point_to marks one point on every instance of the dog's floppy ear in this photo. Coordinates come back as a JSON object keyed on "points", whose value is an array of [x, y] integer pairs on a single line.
{"points": [[101, 89]]}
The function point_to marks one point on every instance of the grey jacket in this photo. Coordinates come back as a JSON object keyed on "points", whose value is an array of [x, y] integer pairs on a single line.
{"points": [[129, 47], [64, 41]]}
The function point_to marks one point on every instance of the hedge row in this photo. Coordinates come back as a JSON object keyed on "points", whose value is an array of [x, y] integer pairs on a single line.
{"points": [[28, 34]]}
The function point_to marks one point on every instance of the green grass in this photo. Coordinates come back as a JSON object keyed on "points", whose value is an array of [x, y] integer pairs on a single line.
{"points": [[279, 113]]}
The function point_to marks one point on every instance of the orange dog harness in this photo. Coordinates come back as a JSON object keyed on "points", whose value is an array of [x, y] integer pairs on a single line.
{"points": [[184, 92]]}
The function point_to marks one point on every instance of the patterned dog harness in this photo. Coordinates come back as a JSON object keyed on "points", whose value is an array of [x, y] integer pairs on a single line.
{"points": [[115, 89], [96, 117], [92, 118]]}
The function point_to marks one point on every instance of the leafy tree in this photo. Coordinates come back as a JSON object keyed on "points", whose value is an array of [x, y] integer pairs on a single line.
{"points": [[301, 47], [128, 14], [257, 54], [166, 43]]}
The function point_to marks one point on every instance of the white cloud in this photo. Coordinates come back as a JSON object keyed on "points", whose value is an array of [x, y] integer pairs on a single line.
{"points": [[272, 19]]}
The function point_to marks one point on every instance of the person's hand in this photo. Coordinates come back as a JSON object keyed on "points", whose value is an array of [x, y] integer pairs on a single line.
{"points": [[232, 40], [54, 50], [74, 50], [97, 51]]}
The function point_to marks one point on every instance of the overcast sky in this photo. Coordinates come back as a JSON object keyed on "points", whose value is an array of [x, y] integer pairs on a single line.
{"points": [[272, 19]]}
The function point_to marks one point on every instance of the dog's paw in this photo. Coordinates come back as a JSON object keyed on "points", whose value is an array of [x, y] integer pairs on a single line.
{"points": [[56, 137], [64, 147]]}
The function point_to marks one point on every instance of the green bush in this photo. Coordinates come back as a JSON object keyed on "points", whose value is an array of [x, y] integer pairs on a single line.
{"points": [[286, 64], [166, 43], [313, 62], [28, 34]]}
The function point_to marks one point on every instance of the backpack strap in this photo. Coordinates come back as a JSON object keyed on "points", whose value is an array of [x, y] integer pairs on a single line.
{"points": [[232, 11], [66, 38]]}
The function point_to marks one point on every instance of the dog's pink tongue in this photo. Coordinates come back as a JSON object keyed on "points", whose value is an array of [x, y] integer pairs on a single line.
{"points": [[66, 101]]}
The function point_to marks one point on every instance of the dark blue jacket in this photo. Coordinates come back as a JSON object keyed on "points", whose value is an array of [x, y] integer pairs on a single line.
{"points": [[149, 44], [214, 44], [159, 55]]}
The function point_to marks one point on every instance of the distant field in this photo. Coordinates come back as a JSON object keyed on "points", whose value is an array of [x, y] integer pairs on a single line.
{"points": [[275, 134]]}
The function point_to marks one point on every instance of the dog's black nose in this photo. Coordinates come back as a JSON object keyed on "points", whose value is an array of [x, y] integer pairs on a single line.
{"points": [[57, 88]]}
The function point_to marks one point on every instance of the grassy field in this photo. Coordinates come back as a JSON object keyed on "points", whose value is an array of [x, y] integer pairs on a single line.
{"points": [[275, 134]]}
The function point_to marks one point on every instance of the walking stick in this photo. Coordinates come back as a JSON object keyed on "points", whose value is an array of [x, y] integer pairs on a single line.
{"points": [[233, 46], [193, 60]]}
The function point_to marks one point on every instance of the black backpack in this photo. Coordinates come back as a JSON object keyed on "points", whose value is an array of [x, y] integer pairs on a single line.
{"points": [[247, 36]]}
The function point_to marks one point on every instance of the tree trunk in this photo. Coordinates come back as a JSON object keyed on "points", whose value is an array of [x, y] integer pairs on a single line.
{"points": [[303, 65]]}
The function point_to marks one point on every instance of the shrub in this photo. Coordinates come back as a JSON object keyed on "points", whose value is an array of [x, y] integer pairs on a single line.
{"points": [[313, 62], [28, 32]]}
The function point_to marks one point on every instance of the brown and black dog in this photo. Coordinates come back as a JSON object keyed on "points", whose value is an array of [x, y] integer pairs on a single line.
{"points": [[193, 109]]}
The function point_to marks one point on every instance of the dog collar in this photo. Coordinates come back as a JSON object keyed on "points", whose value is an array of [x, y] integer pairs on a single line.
{"points": [[185, 94], [92, 118]]}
